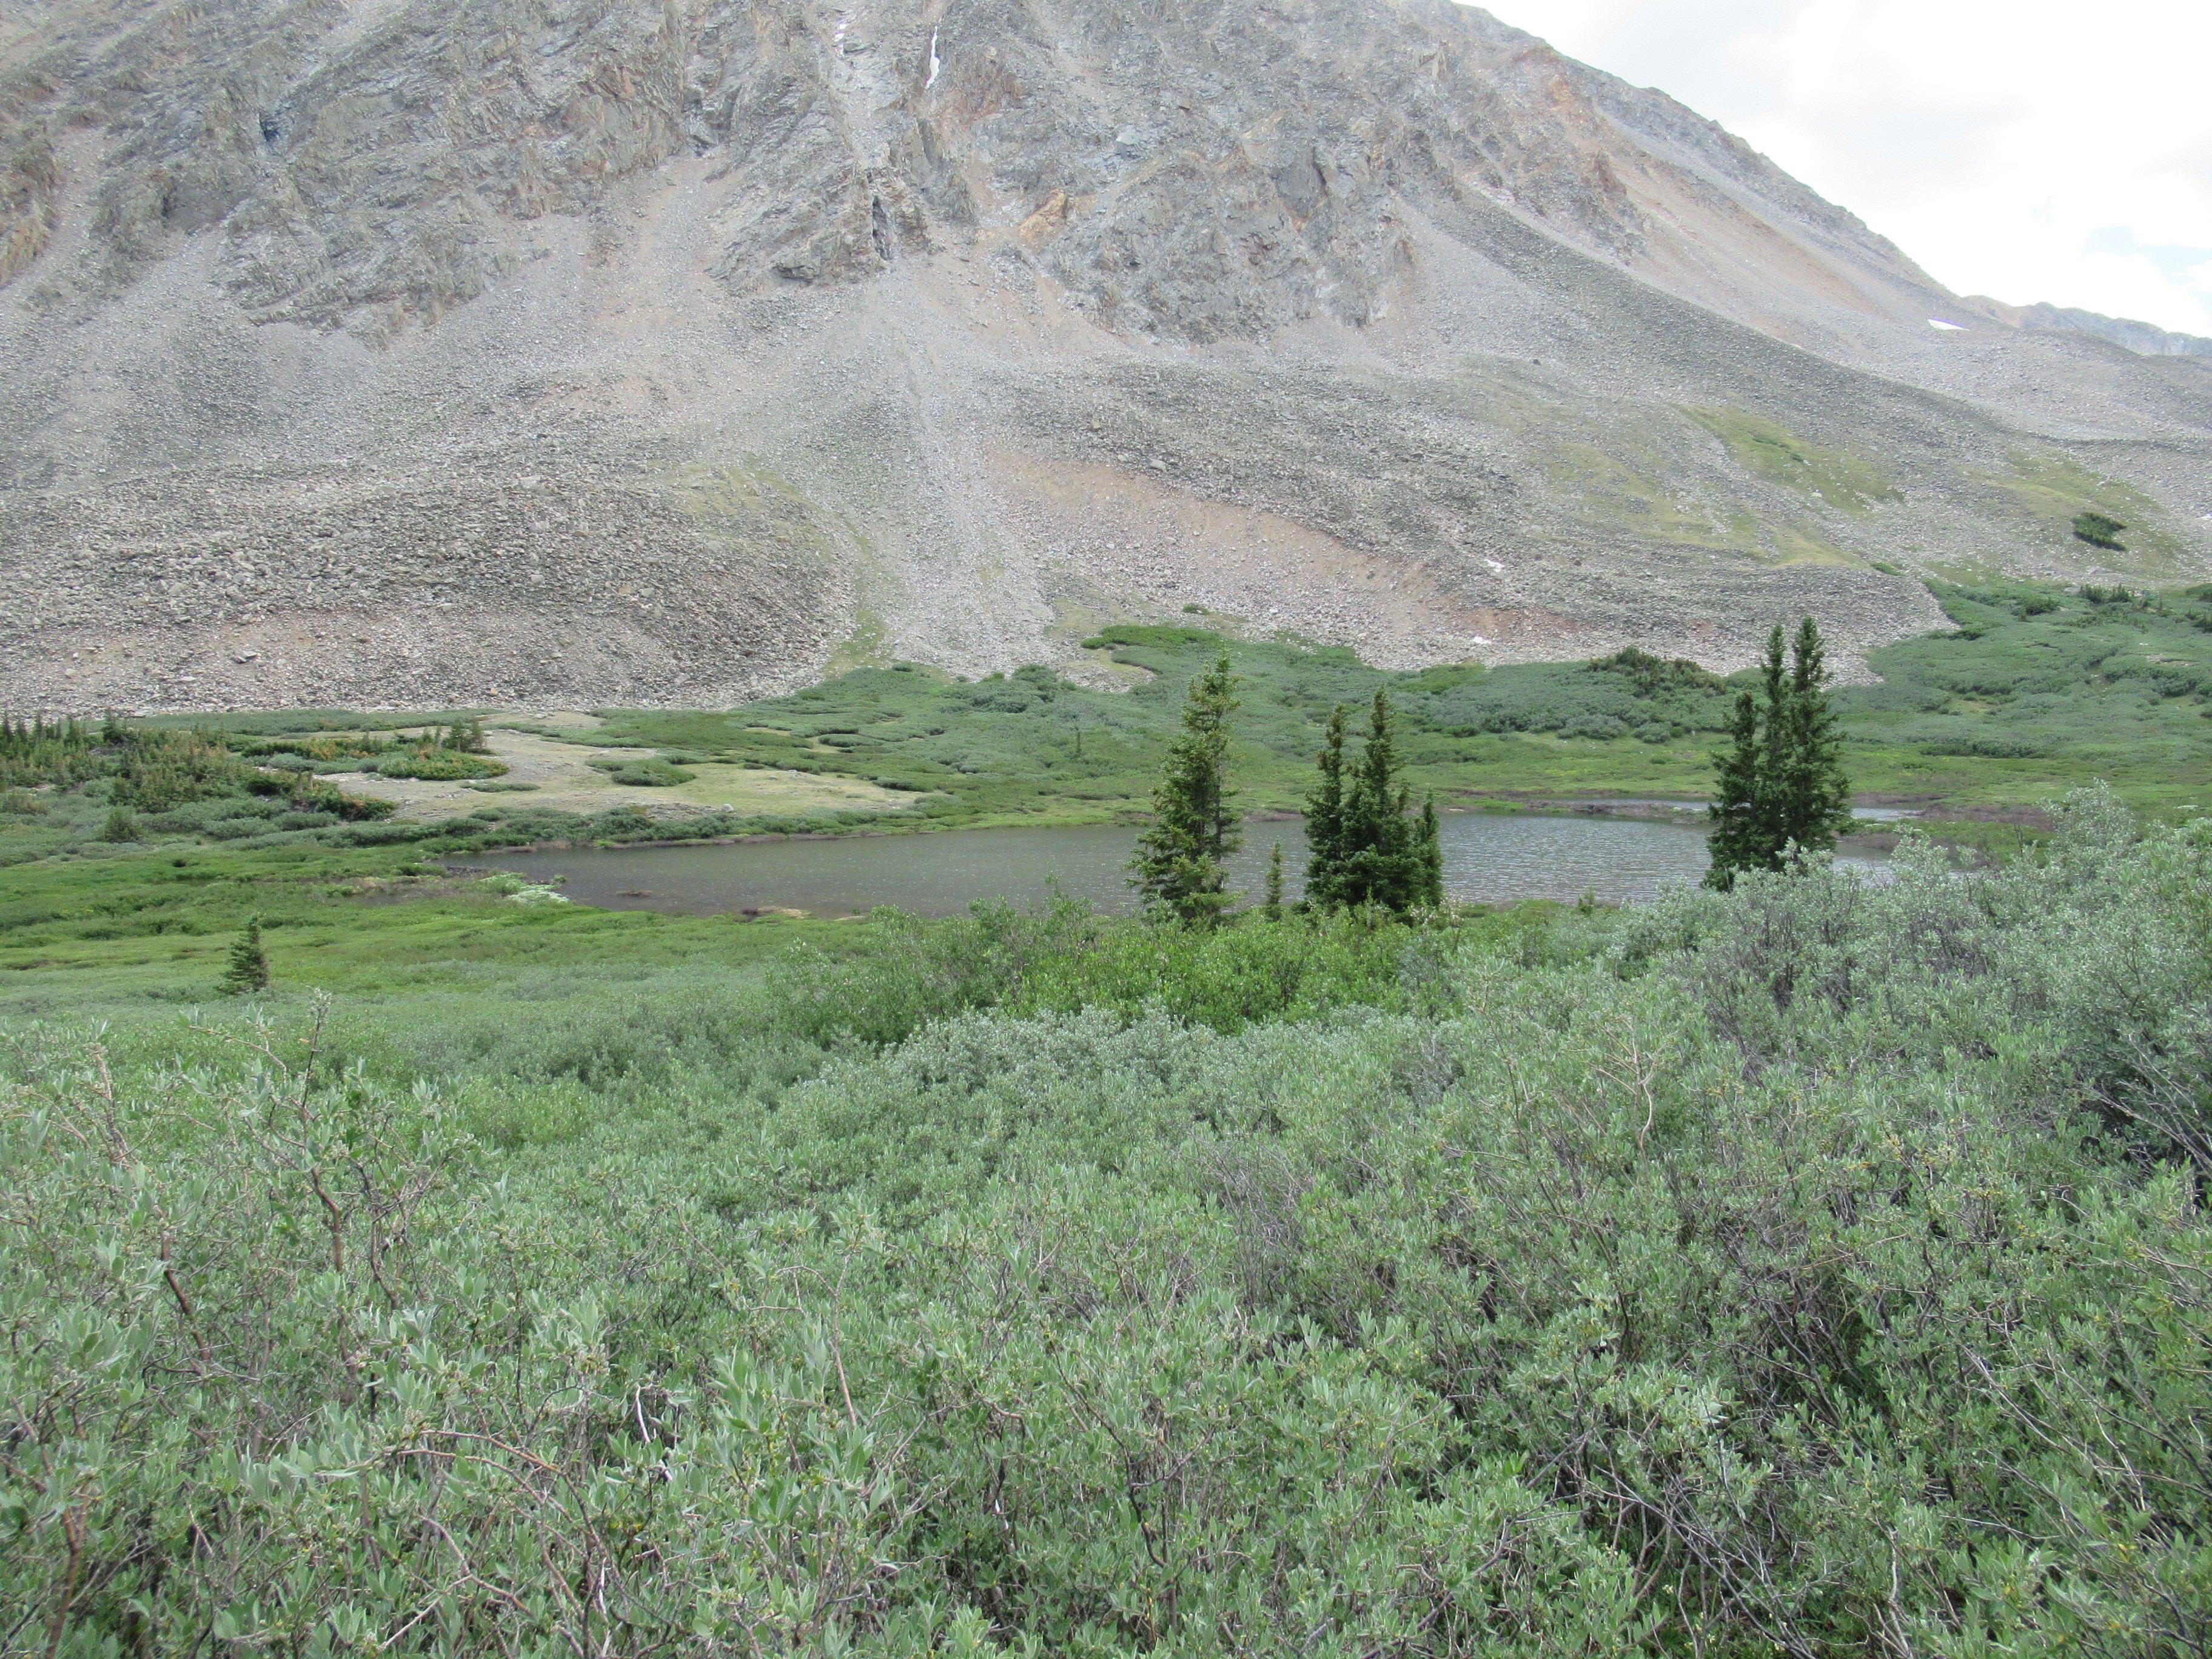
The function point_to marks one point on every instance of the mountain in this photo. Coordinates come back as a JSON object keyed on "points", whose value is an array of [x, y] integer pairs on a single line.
{"points": [[560, 351], [2147, 339]]}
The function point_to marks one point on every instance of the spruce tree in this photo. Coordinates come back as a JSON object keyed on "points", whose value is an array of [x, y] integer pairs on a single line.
{"points": [[1272, 907], [1429, 844], [249, 962], [1813, 797], [1773, 749], [1373, 819], [1736, 839], [1781, 781], [1325, 820], [1181, 859], [1366, 848]]}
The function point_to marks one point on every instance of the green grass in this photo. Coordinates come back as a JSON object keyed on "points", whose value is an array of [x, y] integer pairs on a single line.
{"points": [[1031, 748], [2053, 490], [2037, 690], [151, 925], [1841, 477]]}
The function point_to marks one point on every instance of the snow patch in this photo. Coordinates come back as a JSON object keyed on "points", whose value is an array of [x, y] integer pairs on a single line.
{"points": [[1953, 328], [931, 81], [1494, 565]]}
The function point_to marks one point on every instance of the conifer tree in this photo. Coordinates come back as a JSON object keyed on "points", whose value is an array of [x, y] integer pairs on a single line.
{"points": [[1272, 907], [1366, 848], [1181, 859], [249, 962], [1374, 818], [1429, 844], [465, 736], [1736, 835], [1325, 820], [1781, 780], [1813, 797]]}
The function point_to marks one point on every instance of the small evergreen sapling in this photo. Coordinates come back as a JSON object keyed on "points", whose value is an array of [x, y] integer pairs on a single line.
{"points": [[249, 962], [1737, 834], [1181, 859], [1272, 906], [1429, 850]]}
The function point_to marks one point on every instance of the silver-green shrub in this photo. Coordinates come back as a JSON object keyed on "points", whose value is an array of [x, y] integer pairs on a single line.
{"points": [[1818, 1269]]}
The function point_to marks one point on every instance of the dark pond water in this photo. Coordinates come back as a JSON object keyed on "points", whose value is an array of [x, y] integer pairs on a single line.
{"points": [[1488, 859]]}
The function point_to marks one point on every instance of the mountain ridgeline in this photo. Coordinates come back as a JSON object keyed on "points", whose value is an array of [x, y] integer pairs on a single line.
{"points": [[598, 352]]}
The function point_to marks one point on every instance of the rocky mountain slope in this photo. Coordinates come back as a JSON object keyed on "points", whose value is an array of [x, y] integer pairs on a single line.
{"points": [[558, 351], [2145, 339]]}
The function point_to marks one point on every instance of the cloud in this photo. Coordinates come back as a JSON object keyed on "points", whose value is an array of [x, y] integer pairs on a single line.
{"points": [[2175, 263], [2016, 151]]}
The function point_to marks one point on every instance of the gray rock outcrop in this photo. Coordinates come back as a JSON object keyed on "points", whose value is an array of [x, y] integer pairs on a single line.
{"points": [[474, 352]]}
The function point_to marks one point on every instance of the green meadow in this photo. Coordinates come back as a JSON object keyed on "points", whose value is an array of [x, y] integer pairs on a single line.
{"points": [[2036, 687]]}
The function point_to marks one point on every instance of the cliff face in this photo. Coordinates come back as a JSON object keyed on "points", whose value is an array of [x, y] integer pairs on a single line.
{"points": [[486, 351]]}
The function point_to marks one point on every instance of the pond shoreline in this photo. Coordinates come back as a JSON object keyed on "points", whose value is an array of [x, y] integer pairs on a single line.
{"points": [[1490, 858], [1502, 804], [1881, 819]]}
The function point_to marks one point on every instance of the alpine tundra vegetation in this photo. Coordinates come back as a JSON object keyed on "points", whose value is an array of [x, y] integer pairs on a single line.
{"points": [[442, 429], [1819, 1268]]}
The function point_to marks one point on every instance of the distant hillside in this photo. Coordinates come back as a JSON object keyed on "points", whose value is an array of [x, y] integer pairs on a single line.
{"points": [[2146, 339], [603, 352]]}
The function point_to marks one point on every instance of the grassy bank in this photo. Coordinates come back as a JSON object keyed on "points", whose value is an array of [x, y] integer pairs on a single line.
{"points": [[2036, 689]]}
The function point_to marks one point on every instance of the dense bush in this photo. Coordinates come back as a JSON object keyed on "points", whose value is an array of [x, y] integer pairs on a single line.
{"points": [[159, 769], [1604, 699], [306, 793], [39, 751], [652, 773], [904, 973], [1818, 1269], [437, 763], [184, 780], [332, 750]]}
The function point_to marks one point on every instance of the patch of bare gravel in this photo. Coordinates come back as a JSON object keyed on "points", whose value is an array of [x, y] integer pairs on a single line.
{"points": [[558, 773]]}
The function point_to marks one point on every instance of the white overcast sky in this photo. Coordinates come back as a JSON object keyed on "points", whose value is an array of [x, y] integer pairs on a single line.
{"points": [[2023, 149]]}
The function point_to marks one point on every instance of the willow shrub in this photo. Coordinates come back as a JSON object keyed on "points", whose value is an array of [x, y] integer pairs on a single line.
{"points": [[902, 972], [1819, 1269]]}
